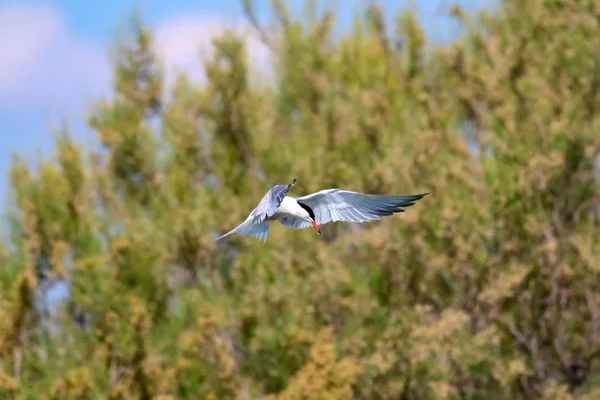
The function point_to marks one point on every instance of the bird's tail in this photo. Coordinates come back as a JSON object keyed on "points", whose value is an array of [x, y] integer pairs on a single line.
{"points": [[248, 228], [225, 235], [234, 230]]}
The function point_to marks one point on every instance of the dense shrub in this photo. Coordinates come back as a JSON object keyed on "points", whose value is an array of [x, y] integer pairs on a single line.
{"points": [[489, 288]]}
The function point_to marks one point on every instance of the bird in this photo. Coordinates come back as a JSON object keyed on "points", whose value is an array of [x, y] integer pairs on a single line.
{"points": [[316, 209]]}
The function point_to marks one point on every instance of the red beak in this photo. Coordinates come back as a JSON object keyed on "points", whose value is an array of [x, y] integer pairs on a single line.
{"points": [[314, 224]]}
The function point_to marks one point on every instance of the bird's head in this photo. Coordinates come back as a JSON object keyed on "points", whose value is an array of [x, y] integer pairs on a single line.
{"points": [[311, 216]]}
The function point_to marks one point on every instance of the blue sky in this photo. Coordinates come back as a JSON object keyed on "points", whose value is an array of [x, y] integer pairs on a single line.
{"points": [[53, 60]]}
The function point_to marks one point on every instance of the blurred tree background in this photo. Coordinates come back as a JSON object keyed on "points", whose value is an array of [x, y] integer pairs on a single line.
{"points": [[489, 288]]}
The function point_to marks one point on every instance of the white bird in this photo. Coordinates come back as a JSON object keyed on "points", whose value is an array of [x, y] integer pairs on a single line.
{"points": [[317, 209]]}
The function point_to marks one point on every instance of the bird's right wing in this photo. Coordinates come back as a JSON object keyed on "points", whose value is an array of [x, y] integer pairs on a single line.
{"points": [[270, 202], [332, 205], [256, 224]]}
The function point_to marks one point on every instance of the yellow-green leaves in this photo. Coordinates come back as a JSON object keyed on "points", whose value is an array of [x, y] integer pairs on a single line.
{"points": [[485, 289]]}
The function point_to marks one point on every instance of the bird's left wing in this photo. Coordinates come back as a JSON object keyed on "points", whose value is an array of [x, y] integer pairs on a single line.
{"points": [[342, 205]]}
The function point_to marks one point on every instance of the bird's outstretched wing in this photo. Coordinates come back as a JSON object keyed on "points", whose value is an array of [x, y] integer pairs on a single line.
{"points": [[256, 224], [332, 205], [270, 202]]}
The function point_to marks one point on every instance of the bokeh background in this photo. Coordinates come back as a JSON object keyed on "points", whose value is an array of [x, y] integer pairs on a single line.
{"points": [[132, 134]]}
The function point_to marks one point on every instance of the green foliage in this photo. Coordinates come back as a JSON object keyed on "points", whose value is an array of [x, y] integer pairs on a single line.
{"points": [[487, 289]]}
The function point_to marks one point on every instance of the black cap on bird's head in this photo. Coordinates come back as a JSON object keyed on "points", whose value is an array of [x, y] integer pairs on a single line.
{"points": [[309, 210], [312, 216]]}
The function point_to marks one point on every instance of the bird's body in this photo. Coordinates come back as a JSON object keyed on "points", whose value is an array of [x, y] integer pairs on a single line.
{"points": [[317, 209], [289, 208]]}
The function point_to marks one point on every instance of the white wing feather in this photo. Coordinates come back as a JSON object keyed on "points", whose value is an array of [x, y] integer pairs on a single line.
{"points": [[331, 205], [293, 222], [268, 205], [257, 222]]}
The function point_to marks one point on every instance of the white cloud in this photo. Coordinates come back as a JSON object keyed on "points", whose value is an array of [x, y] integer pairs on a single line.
{"points": [[25, 33], [45, 67], [182, 42], [47, 71]]}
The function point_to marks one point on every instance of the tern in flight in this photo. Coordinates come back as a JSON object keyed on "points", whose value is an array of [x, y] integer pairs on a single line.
{"points": [[317, 209]]}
